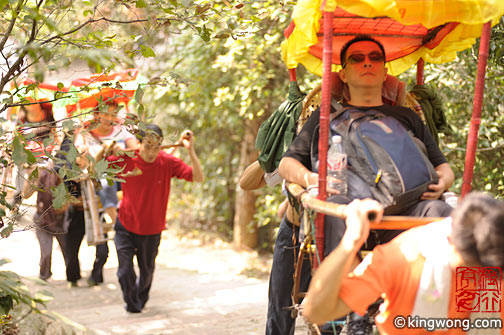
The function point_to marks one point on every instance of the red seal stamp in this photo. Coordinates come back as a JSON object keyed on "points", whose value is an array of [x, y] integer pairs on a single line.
{"points": [[478, 289]]}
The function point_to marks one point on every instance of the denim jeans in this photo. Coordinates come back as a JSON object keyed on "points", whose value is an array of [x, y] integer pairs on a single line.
{"points": [[279, 320]]}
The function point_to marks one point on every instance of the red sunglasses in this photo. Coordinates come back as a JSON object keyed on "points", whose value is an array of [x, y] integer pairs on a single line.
{"points": [[356, 58]]}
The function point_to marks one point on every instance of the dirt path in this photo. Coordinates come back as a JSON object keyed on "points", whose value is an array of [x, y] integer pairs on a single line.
{"points": [[197, 289]]}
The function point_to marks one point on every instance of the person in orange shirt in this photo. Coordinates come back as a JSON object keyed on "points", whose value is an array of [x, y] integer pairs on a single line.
{"points": [[432, 271]]}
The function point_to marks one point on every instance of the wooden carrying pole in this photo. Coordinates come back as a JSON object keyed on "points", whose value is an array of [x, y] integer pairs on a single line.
{"points": [[472, 137], [338, 210]]}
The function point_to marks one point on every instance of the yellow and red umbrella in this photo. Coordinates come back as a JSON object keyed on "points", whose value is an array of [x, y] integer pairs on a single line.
{"points": [[432, 30]]}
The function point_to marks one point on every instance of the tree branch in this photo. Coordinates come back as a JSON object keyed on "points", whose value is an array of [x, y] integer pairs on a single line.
{"points": [[111, 21], [11, 25], [17, 64]]}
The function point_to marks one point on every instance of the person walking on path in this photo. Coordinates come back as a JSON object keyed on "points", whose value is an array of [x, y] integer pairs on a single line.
{"points": [[142, 213]]}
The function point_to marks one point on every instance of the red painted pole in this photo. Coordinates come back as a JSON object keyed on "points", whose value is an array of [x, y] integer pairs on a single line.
{"points": [[420, 72], [472, 137], [325, 110], [292, 74]]}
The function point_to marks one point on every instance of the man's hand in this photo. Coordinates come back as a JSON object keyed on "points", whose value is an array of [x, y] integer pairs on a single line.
{"points": [[118, 150], [82, 160], [358, 213], [435, 189], [446, 178], [187, 139], [311, 180]]}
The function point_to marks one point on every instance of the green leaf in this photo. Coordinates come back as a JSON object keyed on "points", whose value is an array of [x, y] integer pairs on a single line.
{"points": [[61, 86], [72, 154], [147, 51], [47, 141], [43, 296], [3, 3], [34, 175], [30, 157], [19, 155], [6, 231], [205, 34], [68, 125], [140, 4], [168, 11], [101, 166], [60, 196], [140, 111], [139, 94]]}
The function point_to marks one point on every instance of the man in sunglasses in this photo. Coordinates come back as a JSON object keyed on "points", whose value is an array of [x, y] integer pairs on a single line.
{"points": [[364, 72]]}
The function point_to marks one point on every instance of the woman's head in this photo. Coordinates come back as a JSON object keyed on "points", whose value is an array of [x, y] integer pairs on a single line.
{"points": [[37, 110]]}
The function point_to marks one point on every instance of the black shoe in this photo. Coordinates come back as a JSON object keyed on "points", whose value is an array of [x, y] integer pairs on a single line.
{"points": [[330, 328], [132, 310], [359, 325], [91, 282]]}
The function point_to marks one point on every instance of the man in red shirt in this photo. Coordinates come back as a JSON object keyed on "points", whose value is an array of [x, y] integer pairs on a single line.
{"points": [[142, 212]]}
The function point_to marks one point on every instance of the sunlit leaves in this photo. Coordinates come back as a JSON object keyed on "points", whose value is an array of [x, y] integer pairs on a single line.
{"points": [[3, 3], [140, 4], [231, 80], [147, 51], [455, 83], [100, 167], [60, 196], [20, 155]]}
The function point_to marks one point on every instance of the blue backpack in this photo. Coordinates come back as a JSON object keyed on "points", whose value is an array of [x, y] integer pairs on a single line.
{"points": [[385, 161]]}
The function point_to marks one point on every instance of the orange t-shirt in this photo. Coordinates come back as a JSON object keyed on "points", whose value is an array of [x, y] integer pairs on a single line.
{"points": [[393, 272]]}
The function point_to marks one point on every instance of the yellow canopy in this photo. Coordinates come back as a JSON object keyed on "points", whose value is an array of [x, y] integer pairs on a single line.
{"points": [[430, 29]]}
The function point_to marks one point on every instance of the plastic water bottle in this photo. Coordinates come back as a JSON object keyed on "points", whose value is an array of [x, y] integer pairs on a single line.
{"points": [[337, 165]]}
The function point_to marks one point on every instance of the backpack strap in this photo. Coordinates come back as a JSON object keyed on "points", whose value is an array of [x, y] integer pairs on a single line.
{"points": [[339, 109]]}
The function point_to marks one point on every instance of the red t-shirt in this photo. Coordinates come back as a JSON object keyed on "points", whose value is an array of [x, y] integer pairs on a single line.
{"points": [[145, 197]]}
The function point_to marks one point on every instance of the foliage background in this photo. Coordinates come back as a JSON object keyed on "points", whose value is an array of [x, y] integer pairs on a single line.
{"points": [[455, 84]]}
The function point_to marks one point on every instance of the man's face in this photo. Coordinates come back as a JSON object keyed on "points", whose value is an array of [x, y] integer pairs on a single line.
{"points": [[108, 118], [150, 147], [364, 65]]}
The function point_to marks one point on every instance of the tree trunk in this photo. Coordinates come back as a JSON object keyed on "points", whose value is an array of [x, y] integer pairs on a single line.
{"points": [[245, 234]]}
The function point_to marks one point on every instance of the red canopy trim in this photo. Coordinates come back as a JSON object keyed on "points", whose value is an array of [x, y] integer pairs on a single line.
{"points": [[118, 96], [398, 40], [27, 82], [123, 76]]}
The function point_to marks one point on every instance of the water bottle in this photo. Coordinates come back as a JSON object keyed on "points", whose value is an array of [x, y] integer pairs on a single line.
{"points": [[337, 165]]}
